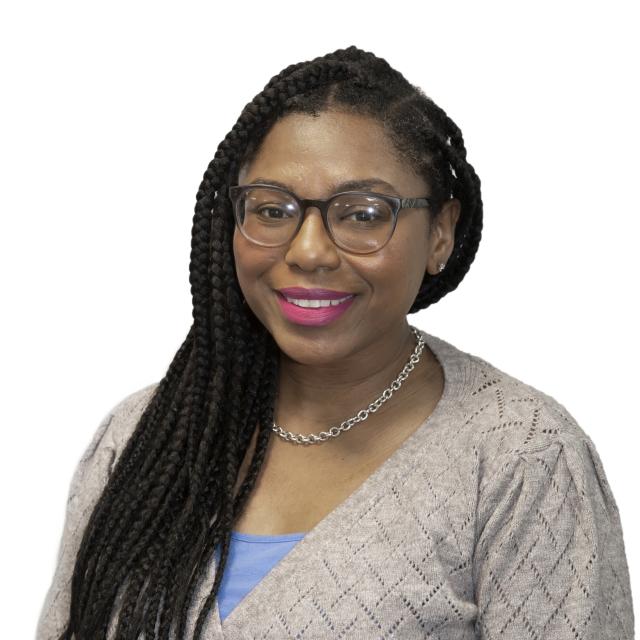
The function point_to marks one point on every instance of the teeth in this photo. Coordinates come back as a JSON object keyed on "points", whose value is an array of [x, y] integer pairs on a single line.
{"points": [[317, 303]]}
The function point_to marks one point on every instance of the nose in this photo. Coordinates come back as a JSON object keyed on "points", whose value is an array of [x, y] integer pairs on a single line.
{"points": [[312, 247]]}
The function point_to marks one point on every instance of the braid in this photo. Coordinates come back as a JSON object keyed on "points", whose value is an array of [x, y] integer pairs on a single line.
{"points": [[169, 502], [99, 522], [465, 186]]}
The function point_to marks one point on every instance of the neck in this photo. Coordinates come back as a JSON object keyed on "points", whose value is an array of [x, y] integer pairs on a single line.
{"points": [[315, 398]]}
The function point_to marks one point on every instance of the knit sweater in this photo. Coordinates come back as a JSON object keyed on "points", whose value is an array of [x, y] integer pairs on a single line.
{"points": [[494, 519]]}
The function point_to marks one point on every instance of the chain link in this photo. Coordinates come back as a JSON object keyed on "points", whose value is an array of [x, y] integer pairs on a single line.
{"points": [[363, 414]]}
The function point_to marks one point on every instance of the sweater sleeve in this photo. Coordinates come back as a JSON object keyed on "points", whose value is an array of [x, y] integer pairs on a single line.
{"points": [[89, 479], [550, 558]]}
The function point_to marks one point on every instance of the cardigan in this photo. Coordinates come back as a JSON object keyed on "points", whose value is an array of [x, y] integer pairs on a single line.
{"points": [[493, 519], [251, 557]]}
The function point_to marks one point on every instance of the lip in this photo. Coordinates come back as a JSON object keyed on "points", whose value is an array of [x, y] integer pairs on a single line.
{"points": [[300, 293], [313, 317]]}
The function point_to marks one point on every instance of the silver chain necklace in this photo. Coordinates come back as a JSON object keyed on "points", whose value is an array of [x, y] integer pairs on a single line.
{"points": [[363, 414]]}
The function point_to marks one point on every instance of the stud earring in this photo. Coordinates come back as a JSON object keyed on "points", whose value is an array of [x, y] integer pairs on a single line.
{"points": [[441, 267]]}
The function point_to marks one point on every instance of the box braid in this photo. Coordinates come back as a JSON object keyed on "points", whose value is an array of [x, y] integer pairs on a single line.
{"points": [[169, 500]]}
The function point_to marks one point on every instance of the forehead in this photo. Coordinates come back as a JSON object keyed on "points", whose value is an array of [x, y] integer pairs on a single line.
{"points": [[318, 153]]}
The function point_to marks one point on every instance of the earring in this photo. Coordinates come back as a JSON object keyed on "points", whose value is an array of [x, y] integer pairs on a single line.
{"points": [[441, 267]]}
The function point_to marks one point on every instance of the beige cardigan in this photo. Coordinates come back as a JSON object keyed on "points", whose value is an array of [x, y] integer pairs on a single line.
{"points": [[493, 520]]}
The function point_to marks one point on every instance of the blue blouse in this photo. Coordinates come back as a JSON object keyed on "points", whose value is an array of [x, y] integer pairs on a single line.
{"points": [[251, 557]]}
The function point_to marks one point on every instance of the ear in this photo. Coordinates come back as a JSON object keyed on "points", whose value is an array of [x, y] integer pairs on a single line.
{"points": [[442, 235]]}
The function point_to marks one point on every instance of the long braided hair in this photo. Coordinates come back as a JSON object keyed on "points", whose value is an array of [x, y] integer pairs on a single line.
{"points": [[169, 501]]}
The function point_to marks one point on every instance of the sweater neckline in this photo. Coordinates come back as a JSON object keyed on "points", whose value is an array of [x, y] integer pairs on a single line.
{"points": [[336, 524]]}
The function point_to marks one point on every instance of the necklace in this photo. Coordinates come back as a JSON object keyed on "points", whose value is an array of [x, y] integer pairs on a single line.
{"points": [[363, 414]]}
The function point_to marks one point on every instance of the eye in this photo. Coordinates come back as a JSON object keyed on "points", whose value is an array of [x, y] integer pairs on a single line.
{"points": [[360, 210], [272, 213], [364, 215]]}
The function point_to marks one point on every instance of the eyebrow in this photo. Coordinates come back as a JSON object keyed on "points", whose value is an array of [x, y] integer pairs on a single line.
{"points": [[348, 185]]}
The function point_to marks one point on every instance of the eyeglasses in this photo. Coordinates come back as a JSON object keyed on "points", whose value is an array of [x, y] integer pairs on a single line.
{"points": [[357, 221]]}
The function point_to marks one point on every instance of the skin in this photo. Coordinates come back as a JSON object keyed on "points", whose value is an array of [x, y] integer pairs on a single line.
{"points": [[329, 373]]}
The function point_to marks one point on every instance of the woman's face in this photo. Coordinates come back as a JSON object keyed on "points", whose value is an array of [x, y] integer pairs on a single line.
{"points": [[312, 156]]}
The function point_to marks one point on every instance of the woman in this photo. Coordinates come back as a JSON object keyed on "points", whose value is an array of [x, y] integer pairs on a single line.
{"points": [[311, 466]]}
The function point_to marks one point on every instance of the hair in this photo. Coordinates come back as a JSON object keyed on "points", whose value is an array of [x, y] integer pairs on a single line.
{"points": [[170, 499]]}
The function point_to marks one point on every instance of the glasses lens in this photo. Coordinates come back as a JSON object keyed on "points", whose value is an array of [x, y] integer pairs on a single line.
{"points": [[267, 216], [360, 223]]}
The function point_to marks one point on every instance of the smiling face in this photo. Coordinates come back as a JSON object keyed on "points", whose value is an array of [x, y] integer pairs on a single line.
{"points": [[312, 155]]}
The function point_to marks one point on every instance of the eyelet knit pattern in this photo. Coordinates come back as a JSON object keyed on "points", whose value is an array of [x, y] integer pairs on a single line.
{"points": [[494, 519]]}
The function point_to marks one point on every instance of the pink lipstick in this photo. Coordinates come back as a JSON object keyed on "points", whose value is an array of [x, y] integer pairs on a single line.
{"points": [[311, 307]]}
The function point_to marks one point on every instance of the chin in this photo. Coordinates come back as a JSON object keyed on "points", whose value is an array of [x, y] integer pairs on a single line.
{"points": [[307, 346]]}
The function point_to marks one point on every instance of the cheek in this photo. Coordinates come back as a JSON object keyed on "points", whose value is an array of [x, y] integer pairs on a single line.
{"points": [[251, 263], [400, 271], [387, 276], [242, 259]]}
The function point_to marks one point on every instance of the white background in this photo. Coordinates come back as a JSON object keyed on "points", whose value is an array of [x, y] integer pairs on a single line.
{"points": [[111, 112]]}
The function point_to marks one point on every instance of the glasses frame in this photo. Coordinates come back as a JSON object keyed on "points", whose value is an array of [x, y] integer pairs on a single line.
{"points": [[397, 205]]}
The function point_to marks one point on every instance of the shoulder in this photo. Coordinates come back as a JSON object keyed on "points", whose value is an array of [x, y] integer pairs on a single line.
{"points": [[120, 421], [106, 445], [515, 437], [519, 416], [520, 428], [89, 479], [508, 414], [498, 416]]}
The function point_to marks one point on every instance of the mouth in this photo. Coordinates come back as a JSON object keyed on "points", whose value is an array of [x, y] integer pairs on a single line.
{"points": [[317, 303], [313, 312], [301, 293]]}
